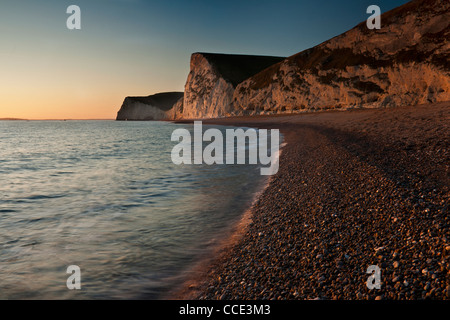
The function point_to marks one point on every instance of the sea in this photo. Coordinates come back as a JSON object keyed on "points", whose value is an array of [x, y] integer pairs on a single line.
{"points": [[105, 196]]}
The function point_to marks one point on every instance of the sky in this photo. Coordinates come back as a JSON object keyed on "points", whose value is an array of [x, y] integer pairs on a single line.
{"points": [[141, 47]]}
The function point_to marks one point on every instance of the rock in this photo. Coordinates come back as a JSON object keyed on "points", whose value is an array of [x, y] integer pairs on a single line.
{"points": [[345, 71], [353, 70], [213, 78], [154, 107], [177, 110]]}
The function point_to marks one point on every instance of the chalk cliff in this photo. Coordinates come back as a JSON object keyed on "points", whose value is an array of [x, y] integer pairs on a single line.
{"points": [[406, 62], [213, 78], [154, 107]]}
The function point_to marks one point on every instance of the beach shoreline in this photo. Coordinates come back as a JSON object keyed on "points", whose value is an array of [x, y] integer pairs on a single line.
{"points": [[191, 280], [355, 188]]}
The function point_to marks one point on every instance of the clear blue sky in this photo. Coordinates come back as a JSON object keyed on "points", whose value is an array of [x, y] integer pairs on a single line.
{"points": [[139, 47]]}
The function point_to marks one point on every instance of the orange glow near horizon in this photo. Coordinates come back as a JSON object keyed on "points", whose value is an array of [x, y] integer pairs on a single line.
{"points": [[83, 103], [62, 74], [35, 107], [58, 99], [69, 93], [39, 87]]}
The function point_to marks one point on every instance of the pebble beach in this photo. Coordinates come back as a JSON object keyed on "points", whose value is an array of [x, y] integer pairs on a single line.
{"points": [[355, 188]]}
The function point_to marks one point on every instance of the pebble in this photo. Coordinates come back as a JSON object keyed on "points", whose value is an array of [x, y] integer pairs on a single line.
{"points": [[317, 240]]}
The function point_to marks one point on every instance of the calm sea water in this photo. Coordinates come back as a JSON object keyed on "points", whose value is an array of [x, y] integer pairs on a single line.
{"points": [[105, 196]]}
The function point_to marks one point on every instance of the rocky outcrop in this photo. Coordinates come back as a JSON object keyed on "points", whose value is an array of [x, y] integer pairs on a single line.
{"points": [[406, 62], [212, 80], [177, 110], [155, 107]]}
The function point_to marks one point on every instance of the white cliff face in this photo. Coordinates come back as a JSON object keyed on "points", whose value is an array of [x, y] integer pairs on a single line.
{"points": [[177, 110], [155, 107], [207, 94], [135, 110], [208, 91], [406, 62]]}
